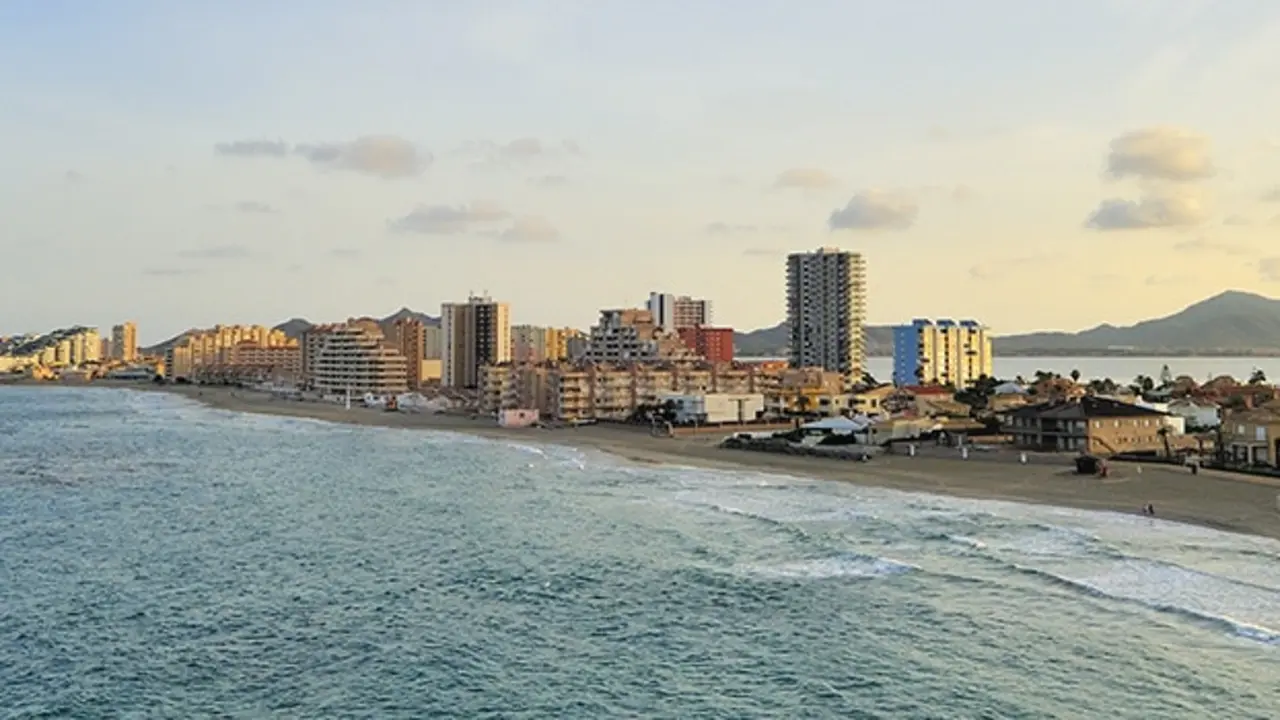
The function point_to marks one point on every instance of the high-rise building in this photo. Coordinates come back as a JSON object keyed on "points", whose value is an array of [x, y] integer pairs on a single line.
{"points": [[826, 311], [632, 335], [407, 336], [354, 358], [941, 353], [432, 342], [534, 344], [124, 342], [673, 312], [475, 334]]}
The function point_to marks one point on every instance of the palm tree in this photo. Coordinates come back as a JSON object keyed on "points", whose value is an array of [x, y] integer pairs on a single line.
{"points": [[1075, 375], [1258, 377], [1163, 432]]}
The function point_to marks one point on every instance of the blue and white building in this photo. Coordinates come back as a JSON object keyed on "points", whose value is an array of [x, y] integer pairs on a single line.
{"points": [[942, 352]]}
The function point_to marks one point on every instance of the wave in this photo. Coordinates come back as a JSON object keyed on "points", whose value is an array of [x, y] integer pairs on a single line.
{"points": [[844, 565], [1247, 630]]}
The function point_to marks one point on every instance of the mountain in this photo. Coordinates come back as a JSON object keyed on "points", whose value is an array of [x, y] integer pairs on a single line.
{"points": [[774, 341], [294, 327], [1231, 323]]}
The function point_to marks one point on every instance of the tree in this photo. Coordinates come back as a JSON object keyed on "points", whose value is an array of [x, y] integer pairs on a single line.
{"points": [[1075, 375], [869, 380], [1258, 377], [1163, 432]]}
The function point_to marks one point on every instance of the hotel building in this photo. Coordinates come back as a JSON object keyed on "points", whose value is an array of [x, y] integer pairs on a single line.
{"points": [[633, 335], [673, 312], [826, 311], [124, 342], [941, 353], [354, 357], [475, 333]]}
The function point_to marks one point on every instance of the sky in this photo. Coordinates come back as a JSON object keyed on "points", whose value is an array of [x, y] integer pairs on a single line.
{"points": [[1034, 165]]}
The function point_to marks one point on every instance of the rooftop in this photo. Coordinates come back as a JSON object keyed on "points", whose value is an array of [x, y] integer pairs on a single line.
{"points": [[1086, 407]]}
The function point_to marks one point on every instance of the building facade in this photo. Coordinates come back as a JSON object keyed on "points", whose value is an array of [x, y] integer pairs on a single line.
{"points": [[216, 346], [535, 344], [1092, 425], [673, 312], [826, 311], [124, 342], [475, 334], [407, 335], [633, 335], [355, 358], [941, 353], [715, 344]]}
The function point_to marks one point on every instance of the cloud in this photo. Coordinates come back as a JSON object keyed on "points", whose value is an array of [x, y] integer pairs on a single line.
{"points": [[719, 228], [385, 156], [804, 179], [988, 271], [549, 181], [252, 207], [530, 229], [875, 210], [1271, 196], [486, 153], [217, 252], [1269, 269], [168, 272], [1205, 245], [1170, 209], [1160, 153], [253, 148], [448, 219]]}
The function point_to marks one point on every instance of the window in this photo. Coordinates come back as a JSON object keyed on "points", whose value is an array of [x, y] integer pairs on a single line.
{"points": [[1260, 434], [1146, 423]]}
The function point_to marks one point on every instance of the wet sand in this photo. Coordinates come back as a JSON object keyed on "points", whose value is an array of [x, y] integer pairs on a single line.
{"points": [[1219, 500]]}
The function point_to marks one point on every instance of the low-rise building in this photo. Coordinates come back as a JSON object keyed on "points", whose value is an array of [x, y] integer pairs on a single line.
{"points": [[1252, 437], [1197, 413], [712, 408], [871, 400], [1093, 425]]}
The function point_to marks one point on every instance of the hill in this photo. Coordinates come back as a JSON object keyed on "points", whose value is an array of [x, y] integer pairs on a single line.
{"points": [[294, 327], [1231, 323]]}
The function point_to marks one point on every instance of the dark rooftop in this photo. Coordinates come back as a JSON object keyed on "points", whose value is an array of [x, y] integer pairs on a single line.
{"points": [[1086, 407]]}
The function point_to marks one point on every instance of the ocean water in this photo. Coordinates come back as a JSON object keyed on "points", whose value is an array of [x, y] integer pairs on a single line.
{"points": [[161, 559]]}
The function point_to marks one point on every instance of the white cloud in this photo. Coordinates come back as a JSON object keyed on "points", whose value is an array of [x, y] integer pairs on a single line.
{"points": [[530, 229], [1169, 209], [875, 210], [448, 219], [1161, 153], [804, 179], [386, 156]]}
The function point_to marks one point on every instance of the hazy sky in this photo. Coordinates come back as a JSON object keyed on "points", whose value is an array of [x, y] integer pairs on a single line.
{"points": [[1031, 164]]}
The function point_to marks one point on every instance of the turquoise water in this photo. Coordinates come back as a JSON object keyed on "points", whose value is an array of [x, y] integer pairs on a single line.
{"points": [[160, 559]]}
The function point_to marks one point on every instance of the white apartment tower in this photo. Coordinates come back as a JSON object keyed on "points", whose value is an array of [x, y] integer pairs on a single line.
{"points": [[673, 312], [826, 311], [474, 334]]}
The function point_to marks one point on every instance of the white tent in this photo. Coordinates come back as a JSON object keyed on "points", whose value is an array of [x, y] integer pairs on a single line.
{"points": [[839, 424]]}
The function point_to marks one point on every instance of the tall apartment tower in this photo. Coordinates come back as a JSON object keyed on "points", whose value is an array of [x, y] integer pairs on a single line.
{"points": [[124, 342], [675, 312], [407, 336], [475, 333], [826, 311]]}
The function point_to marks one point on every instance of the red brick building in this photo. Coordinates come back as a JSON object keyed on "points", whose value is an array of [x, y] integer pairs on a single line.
{"points": [[713, 343]]}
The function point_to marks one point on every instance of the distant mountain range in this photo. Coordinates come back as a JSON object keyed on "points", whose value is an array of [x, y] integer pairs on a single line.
{"points": [[294, 327], [1232, 323]]}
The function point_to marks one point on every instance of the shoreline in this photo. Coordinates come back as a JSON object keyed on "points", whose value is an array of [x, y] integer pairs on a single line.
{"points": [[1210, 499]]}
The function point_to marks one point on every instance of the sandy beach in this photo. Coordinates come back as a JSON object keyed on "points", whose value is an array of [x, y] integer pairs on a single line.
{"points": [[1223, 501]]}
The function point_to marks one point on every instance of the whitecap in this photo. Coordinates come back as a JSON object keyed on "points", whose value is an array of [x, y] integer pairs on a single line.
{"points": [[845, 565]]}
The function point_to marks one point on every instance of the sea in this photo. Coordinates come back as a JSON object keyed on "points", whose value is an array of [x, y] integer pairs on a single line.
{"points": [[162, 559], [1120, 369]]}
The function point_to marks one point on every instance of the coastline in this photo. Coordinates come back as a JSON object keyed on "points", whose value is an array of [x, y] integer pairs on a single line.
{"points": [[1210, 499]]}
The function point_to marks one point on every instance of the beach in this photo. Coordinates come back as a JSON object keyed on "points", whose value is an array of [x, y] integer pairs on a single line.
{"points": [[1222, 501]]}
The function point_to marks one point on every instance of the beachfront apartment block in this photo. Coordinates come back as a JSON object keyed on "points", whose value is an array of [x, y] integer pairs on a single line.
{"points": [[615, 391], [826, 311], [197, 350], [715, 344], [536, 344], [475, 334], [944, 352], [633, 335], [67, 347], [407, 335], [675, 312], [355, 358], [124, 342], [1094, 425]]}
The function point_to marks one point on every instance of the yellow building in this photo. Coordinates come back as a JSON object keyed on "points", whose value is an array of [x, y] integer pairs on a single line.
{"points": [[218, 346], [535, 344], [124, 342], [941, 353], [809, 391]]}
